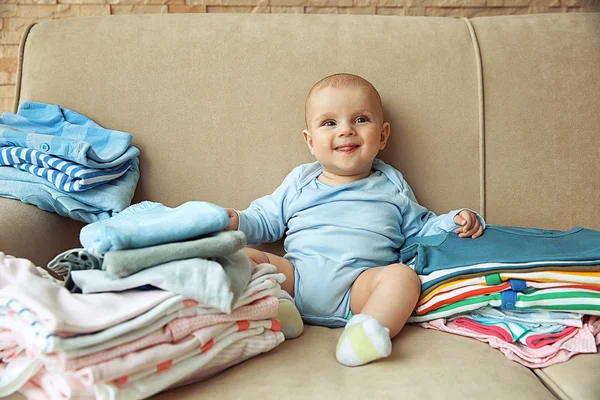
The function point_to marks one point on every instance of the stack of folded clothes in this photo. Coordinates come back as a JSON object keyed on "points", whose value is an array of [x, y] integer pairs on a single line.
{"points": [[168, 298], [63, 162], [178, 249], [533, 294]]}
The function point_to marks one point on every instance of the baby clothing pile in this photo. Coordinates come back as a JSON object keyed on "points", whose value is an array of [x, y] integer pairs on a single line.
{"points": [[168, 317], [63, 162], [183, 250], [533, 294]]}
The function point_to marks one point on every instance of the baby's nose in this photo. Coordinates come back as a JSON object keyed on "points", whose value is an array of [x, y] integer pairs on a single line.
{"points": [[346, 130]]}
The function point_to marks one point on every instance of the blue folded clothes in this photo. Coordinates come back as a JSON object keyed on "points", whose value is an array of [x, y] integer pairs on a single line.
{"points": [[96, 204], [150, 224], [438, 258], [65, 175], [65, 134], [63, 162]]}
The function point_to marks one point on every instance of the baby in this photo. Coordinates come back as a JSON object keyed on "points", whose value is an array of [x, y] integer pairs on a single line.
{"points": [[345, 217]]}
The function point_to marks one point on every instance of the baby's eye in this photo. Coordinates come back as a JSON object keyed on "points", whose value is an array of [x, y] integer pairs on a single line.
{"points": [[361, 120], [328, 123]]}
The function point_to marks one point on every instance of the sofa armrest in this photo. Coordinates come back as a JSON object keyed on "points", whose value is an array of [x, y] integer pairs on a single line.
{"points": [[28, 232]]}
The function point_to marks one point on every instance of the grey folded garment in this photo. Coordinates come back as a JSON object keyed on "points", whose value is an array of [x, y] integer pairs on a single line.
{"points": [[216, 283], [123, 263], [238, 268]]}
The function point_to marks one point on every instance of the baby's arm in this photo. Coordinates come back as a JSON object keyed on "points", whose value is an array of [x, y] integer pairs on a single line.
{"points": [[265, 220], [418, 221]]}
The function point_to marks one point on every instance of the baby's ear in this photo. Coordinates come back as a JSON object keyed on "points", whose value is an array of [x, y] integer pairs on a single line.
{"points": [[385, 135], [308, 140]]}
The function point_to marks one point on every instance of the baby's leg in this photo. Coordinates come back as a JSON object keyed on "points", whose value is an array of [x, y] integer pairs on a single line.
{"points": [[283, 266], [382, 300], [389, 294], [288, 315]]}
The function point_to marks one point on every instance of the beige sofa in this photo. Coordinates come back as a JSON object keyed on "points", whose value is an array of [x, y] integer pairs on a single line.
{"points": [[499, 114]]}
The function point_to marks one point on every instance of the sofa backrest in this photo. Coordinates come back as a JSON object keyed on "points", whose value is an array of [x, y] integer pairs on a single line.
{"points": [[498, 114], [541, 80]]}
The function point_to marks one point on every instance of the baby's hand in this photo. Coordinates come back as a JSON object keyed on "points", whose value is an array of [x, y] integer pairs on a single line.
{"points": [[469, 224], [234, 220]]}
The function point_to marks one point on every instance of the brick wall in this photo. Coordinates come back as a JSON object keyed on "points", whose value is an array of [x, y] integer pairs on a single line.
{"points": [[15, 15]]}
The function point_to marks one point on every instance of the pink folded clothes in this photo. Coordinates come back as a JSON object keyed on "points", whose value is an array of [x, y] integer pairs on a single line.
{"points": [[59, 385], [162, 354], [264, 308], [63, 312], [531, 339], [490, 330], [14, 374], [32, 391], [261, 309], [7, 353], [38, 339], [11, 343], [583, 340], [195, 368], [233, 355], [225, 340], [270, 289], [544, 339]]}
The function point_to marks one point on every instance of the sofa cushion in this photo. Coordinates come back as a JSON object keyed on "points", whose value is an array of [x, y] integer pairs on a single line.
{"points": [[37, 235], [424, 364], [575, 379]]}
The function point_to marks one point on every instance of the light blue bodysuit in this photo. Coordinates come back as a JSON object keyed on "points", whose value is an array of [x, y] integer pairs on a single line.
{"points": [[333, 233]]}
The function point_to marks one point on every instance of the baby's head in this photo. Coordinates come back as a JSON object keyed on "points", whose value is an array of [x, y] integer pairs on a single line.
{"points": [[345, 127], [341, 81]]}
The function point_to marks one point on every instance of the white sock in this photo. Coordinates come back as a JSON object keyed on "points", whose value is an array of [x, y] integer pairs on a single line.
{"points": [[364, 340], [289, 317]]}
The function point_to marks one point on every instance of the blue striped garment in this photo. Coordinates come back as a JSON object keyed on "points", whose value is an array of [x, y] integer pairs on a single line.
{"points": [[65, 134], [102, 202], [65, 175]]}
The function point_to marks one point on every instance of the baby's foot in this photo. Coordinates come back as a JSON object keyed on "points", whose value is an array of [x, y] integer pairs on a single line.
{"points": [[364, 340], [289, 317]]}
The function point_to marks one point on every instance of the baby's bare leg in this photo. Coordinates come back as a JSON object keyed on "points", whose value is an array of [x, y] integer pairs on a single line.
{"points": [[389, 294], [381, 300], [283, 266]]}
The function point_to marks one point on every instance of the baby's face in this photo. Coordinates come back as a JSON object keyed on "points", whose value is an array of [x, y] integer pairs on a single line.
{"points": [[345, 130]]}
